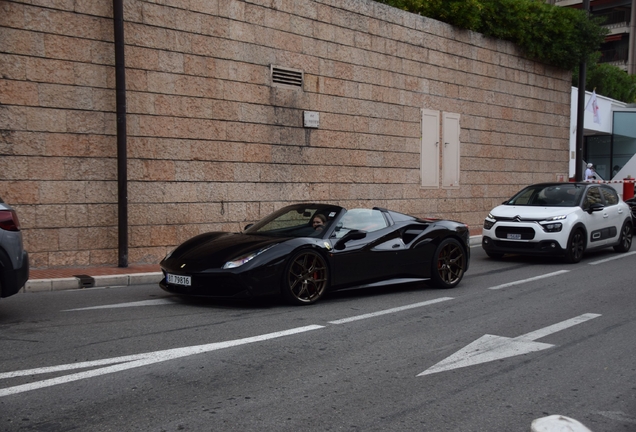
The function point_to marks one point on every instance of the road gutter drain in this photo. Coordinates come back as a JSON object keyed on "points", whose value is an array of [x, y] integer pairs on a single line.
{"points": [[85, 281]]}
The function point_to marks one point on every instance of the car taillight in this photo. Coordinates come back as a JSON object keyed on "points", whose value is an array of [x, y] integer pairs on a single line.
{"points": [[9, 220]]}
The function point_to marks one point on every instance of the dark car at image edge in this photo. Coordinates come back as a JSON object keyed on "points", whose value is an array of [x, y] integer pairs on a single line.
{"points": [[14, 260], [632, 207], [283, 254]]}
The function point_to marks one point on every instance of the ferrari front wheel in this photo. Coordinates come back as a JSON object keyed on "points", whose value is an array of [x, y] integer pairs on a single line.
{"points": [[306, 278], [449, 263]]}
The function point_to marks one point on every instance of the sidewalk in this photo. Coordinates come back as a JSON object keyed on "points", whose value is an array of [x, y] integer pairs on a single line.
{"points": [[88, 277]]}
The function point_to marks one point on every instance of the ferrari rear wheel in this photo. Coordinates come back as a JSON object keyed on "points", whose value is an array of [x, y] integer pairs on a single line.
{"points": [[449, 262], [306, 278]]}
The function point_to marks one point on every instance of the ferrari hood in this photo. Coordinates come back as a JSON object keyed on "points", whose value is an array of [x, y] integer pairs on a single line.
{"points": [[531, 212], [213, 250]]}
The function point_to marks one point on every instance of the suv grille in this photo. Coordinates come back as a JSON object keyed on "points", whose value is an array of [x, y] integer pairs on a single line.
{"points": [[526, 233]]}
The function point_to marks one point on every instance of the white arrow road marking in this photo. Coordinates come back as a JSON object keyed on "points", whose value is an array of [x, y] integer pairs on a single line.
{"points": [[128, 362], [519, 282], [489, 348], [156, 302]]}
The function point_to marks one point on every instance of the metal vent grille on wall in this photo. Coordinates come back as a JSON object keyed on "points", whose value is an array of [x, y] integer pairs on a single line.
{"points": [[287, 77]]}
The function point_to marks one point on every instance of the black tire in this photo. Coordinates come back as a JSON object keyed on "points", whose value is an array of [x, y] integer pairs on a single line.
{"points": [[306, 278], [625, 241], [575, 247], [495, 255], [448, 265]]}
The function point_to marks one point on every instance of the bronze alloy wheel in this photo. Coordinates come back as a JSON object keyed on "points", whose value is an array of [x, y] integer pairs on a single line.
{"points": [[449, 264], [306, 278]]}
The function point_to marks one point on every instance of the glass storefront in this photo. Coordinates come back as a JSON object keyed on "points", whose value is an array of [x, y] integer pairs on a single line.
{"points": [[598, 150], [609, 153], [624, 145]]}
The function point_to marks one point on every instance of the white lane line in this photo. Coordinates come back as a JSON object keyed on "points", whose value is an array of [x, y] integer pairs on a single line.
{"points": [[137, 361], [519, 282], [156, 302], [388, 311], [615, 257], [118, 364]]}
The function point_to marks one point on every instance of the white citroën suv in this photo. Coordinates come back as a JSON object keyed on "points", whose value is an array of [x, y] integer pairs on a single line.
{"points": [[14, 260], [559, 219]]}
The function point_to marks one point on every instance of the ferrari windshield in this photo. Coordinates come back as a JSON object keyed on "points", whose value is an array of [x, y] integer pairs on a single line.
{"points": [[307, 220], [549, 195]]}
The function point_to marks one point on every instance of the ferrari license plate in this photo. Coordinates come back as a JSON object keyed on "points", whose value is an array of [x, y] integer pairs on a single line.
{"points": [[513, 236], [179, 280]]}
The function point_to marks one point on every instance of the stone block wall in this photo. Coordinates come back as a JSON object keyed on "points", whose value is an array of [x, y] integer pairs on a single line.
{"points": [[213, 145]]}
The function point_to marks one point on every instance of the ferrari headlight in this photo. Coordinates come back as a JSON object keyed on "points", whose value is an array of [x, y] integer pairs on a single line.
{"points": [[237, 262], [169, 254]]}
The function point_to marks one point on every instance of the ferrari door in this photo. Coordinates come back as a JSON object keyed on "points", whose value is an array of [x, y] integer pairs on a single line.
{"points": [[365, 248], [371, 259]]}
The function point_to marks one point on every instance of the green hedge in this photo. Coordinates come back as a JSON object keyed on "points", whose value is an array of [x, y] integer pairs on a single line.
{"points": [[559, 36]]}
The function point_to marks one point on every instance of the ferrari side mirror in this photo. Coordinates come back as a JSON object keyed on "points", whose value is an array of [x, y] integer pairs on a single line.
{"points": [[351, 235]]}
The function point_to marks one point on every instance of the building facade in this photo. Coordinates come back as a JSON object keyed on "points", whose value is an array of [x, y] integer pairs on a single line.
{"points": [[235, 108], [619, 48], [609, 138]]}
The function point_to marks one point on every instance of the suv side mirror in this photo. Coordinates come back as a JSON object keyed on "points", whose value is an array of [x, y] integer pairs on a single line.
{"points": [[595, 207]]}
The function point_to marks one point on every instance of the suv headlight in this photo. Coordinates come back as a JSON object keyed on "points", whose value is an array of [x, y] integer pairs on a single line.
{"points": [[553, 224], [489, 222]]}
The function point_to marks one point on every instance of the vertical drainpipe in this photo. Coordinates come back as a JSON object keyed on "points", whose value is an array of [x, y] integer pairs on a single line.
{"points": [[580, 112], [631, 55], [122, 173]]}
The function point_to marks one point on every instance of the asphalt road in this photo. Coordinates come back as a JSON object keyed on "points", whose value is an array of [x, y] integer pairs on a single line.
{"points": [[519, 339]]}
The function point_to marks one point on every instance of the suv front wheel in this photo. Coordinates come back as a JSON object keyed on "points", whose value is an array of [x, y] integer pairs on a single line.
{"points": [[575, 247]]}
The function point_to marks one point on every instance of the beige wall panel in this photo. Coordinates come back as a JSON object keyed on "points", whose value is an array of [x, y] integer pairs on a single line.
{"points": [[213, 145]]}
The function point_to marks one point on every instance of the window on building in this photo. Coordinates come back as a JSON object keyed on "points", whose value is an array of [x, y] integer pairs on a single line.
{"points": [[450, 150], [429, 156]]}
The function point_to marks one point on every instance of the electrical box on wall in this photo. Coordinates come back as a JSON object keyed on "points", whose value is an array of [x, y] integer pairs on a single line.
{"points": [[311, 119]]}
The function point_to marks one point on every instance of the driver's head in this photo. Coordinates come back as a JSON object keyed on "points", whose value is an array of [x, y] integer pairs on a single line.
{"points": [[319, 221]]}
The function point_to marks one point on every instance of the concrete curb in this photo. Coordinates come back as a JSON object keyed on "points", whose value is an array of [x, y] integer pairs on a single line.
{"points": [[60, 284], [475, 240]]}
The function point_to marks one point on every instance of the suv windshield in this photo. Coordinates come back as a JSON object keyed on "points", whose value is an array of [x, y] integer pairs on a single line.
{"points": [[549, 195]]}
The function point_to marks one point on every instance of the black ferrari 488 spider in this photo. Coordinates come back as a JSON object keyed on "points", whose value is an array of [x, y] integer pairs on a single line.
{"points": [[304, 250]]}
